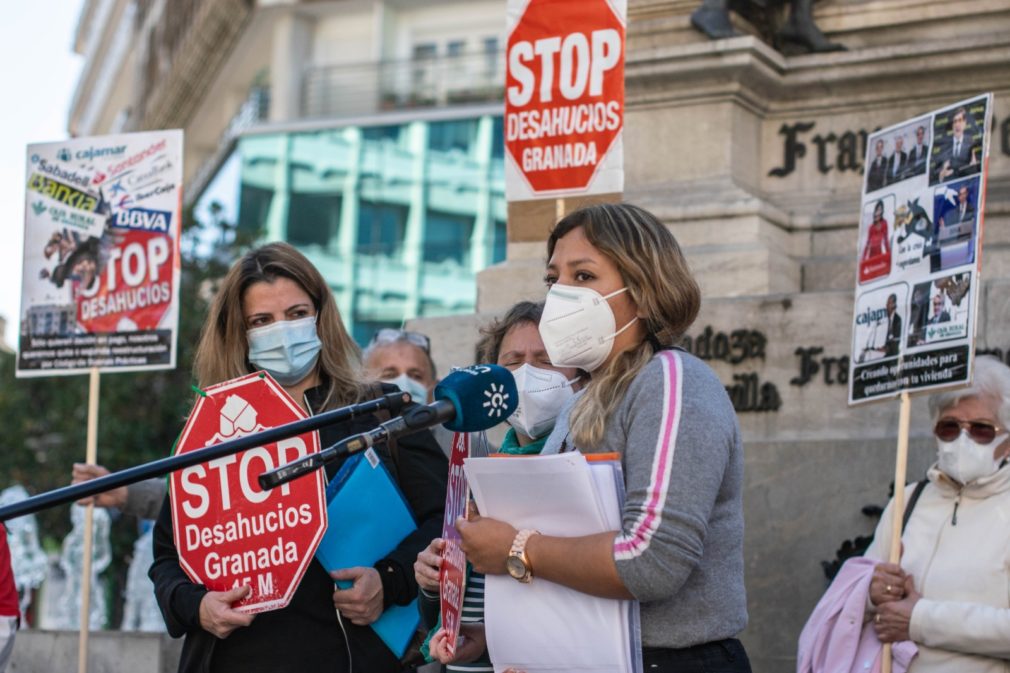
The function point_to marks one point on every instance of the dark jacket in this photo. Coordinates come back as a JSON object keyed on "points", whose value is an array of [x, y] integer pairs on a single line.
{"points": [[306, 635]]}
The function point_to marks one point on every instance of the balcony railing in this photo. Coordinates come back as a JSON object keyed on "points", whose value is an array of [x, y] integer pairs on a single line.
{"points": [[366, 88]]}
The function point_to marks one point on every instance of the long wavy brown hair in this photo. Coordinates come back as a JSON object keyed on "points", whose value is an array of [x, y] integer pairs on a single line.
{"points": [[224, 349], [659, 281]]}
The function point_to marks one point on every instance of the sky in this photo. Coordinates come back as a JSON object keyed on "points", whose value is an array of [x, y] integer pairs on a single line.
{"points": [[37, 82]]}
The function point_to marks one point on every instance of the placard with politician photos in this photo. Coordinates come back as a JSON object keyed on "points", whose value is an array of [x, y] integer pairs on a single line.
{"points": [[919, 252]]}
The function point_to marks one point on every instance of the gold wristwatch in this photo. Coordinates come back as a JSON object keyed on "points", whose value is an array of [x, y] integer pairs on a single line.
{"points": [[517, 563]]}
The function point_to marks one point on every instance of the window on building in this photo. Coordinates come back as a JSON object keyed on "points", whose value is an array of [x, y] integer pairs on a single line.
{"points": [[447, 237], [455, 135], [455, 48], [254, 205], [425, 51], [423, 87], [497, 139], [491, 56], [380, 133], [313, 219], [382, 228], [500, 243]]}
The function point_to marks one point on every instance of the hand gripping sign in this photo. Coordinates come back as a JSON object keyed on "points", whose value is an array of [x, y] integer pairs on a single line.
{"points": [[228, 531], [564, 98]]}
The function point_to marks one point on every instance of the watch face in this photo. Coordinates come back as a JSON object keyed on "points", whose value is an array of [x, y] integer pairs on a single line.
{"points": [[516, 567]]}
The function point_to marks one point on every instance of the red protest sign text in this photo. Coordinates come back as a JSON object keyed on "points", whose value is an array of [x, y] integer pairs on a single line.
{"points": [[452, 576], [134, 290], [228, 531], [564, 103]]}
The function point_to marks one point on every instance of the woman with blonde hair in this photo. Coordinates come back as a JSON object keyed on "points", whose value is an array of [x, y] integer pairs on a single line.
{"points": [[620, 296], [274, 312]]}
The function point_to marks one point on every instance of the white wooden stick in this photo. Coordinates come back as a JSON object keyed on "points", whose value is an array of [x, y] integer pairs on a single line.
{"points": [[898, 510], [91, 457]]}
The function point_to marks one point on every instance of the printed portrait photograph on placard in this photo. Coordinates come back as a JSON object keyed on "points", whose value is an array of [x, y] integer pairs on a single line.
{"points": [[898, 155], [880, 320], [875, 238], [940, 310], [959, 133], [955, 208]]}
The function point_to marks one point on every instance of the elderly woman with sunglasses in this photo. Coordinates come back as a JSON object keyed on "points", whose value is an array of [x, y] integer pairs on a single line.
{"points": [[950, 594]]}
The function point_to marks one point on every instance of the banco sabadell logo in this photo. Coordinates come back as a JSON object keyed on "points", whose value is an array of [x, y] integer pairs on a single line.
{"points": [[495, 403]]}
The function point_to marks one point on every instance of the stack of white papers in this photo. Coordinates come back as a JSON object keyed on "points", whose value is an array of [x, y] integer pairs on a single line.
{"points": [[543, 627]]}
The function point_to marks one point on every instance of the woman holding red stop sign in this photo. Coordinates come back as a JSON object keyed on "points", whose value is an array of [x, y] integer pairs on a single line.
{"points": [[275, 312]]}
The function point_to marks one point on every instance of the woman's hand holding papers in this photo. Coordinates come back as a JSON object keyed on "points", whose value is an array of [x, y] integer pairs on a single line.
{"points": [[486, 543], [362, 603]]}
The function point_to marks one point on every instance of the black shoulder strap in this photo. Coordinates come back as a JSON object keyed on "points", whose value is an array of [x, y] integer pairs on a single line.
{"points": [[912, 499]]}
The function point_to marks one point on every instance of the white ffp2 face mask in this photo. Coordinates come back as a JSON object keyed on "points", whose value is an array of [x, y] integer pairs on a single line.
{"points": [[418, 393], [542, 393], [578, 326], [965, 460], [286, 349]]}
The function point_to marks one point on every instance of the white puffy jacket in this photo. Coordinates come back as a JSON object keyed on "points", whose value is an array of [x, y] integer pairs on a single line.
{"points": [[957, 548]]}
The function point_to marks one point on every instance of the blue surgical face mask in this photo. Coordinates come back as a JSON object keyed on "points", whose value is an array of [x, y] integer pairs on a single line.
{"points": [[418, 393], [287, 349]]}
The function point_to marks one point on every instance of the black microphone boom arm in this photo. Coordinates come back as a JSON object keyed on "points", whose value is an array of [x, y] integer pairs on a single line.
{"points": [[415, 419], [394, 402]]}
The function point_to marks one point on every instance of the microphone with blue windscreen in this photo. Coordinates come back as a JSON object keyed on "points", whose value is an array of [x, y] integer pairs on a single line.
{"points": [[482, 396], [469, 399]]}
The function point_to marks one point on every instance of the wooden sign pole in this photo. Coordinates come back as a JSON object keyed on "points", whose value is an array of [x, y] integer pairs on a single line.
{"points": [[91, 457], [898, 511]]}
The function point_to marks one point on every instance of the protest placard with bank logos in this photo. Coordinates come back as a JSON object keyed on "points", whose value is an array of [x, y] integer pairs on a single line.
{"points": [[920, 252], [101, 257], [564, 98]]}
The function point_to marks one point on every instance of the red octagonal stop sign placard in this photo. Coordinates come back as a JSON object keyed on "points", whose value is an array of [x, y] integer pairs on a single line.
{"points": [[229, 531], [564, 98]]}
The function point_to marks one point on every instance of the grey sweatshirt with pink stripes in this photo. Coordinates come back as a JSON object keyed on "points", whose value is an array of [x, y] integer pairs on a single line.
{"points": [[680, 550]]}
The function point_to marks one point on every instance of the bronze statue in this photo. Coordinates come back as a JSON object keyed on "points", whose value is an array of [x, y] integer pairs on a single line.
{"points": [[799, 33]]}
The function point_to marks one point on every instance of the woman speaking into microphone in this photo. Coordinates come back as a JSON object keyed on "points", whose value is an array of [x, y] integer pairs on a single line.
{"points": [[620, 297], [274, 312]]}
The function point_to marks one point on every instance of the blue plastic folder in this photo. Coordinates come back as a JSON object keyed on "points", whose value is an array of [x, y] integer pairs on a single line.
{"points": [[368, 518]]}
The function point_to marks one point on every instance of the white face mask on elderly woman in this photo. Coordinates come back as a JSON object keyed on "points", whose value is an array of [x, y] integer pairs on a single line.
{"points": [[965, 460]]}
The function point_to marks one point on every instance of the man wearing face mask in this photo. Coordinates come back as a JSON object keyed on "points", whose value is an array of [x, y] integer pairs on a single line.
{"points": [[513, 342], [403, 358], [949, 592]]}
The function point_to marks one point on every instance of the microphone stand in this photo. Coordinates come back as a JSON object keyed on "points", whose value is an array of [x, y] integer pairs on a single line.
{"points": [[391, 401]]}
